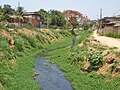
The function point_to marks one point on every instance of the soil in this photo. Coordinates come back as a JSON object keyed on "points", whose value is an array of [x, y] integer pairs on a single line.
{"points": [[108, 41]]}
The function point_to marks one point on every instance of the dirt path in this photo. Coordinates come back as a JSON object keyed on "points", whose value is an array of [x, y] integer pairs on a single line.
{"points": [[108, 41]]}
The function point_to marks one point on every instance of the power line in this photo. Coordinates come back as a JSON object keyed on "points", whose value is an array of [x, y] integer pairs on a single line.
{"points": [[116, 12]]}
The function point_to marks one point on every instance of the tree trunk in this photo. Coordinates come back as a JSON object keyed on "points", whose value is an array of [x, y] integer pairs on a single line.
{"points": [[73, 32]]}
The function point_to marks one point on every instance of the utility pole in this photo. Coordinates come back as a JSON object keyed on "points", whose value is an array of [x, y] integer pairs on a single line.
{"points": [[100, 18], [18, 14]]}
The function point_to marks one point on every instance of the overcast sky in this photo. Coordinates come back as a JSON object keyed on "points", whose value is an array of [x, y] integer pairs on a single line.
{"points": [[89, 7]]}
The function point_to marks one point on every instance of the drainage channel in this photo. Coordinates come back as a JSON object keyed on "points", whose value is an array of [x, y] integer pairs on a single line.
{"points": [[49, 76]]}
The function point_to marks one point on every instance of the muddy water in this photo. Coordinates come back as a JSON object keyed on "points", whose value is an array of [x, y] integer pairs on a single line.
{"points": [[50, 76]]}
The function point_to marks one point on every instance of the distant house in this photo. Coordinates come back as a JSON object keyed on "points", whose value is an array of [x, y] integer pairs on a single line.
{"points": [[28, 17], [116, 28], [110, 24]]}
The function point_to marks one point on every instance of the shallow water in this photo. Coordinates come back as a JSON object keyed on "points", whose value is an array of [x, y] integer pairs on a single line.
{"points": [[50, 76]]}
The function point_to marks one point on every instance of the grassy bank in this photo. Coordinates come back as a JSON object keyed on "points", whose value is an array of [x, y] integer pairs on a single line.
{"points": [[17, 64], [81, 80]]}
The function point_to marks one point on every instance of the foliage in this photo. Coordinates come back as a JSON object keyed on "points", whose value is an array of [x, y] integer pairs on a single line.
{"points": [[16, 64], [96, 59], [7, 11], [52, 18], [27, 25], [18, 74], [74, 17], [76, 55], [85, 25], [81, 36], [2, 26], [114, 35], [99, 47], [78, 79], [64, 33], [44, 16], [57, 18]]}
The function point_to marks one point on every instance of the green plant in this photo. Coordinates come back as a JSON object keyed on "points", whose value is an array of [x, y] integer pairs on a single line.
{"points": [[96, 59], [2, 26], [76, 55], [64, 33], [99, 47], [28, 26], [113, 34]]}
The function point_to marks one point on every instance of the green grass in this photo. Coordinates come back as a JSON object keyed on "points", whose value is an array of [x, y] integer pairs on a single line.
{"points": [[80, 80], [114, 35], [64, 42], [22, 77], [17, 65], [99, 47]]}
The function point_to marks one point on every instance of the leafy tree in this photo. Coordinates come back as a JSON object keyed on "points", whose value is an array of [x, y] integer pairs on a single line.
{"points": [[86, 25], [20, 11], [57, 17], [19, 14], [74, 17], [44, 16], [7, 11], [1, 13]]}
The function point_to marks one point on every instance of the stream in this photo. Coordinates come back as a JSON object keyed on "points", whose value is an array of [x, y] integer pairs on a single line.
{"points": [[49, 76]]}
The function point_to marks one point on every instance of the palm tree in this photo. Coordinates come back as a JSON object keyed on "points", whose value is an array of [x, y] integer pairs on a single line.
{"points": [[19, 13]]}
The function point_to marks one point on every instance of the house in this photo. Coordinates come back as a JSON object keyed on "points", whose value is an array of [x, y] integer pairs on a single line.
{"points": [[28, 17], [110, 24], [116, 28]]}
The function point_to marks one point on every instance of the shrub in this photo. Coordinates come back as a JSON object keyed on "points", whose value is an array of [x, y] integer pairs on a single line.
{"points": [[96, 59], [19, 44], [9, 25], [2, 26], [28, 26], [5, 48], [76, 55]]}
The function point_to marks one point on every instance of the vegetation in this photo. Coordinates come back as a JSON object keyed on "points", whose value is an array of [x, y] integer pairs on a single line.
{"points": [[95, 59], [71, 62], [16, 64], [111, 34], [52, 19], [74, 18]]}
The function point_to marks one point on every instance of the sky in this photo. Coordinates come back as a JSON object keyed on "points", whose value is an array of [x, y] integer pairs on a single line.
{"points": [[91, 8]]}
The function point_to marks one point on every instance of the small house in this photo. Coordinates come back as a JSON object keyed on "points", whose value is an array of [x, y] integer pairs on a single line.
{"points": [[110, 24], [28, 17], [116, 28]]}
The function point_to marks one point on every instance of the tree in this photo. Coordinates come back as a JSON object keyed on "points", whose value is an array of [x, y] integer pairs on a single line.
{"points": [[1, 13], [57, 18], [20, 11], [19, 14], [44, 16], [85, 25], [74, 17], [7, 11]]}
